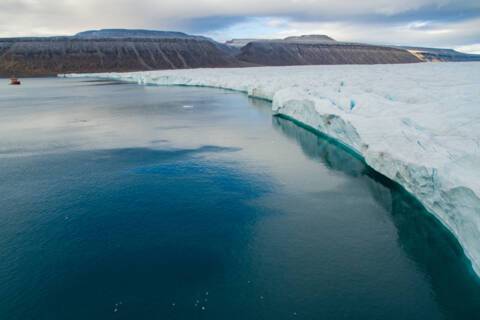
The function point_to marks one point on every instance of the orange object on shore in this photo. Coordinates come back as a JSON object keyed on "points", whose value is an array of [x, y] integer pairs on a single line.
{"points": [[14, 81]]}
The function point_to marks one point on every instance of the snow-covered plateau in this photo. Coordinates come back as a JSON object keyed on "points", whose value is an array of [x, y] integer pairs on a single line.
{"points": [[417, 124]]}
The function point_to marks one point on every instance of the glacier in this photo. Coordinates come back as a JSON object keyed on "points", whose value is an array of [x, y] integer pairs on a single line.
{"points": [[417, 124]]}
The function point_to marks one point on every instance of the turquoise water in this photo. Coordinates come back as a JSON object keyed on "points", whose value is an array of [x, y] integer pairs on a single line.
{"points": [[127, 202]]}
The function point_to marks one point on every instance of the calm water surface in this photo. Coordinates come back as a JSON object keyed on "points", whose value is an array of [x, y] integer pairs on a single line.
{"points": [[125, 202]]}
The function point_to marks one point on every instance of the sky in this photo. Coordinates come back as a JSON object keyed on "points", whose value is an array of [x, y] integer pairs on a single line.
{"points": [[434, 23]]}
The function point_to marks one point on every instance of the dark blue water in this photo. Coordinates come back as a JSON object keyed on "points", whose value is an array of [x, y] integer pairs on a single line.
{"points": [[125, 202]]}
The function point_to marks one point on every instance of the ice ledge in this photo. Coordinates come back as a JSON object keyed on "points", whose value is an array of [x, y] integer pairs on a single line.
{"points": [[419, 125]]}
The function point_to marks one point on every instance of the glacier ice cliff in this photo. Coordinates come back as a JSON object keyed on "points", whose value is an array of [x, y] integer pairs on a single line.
{"points": [[418, 124]]}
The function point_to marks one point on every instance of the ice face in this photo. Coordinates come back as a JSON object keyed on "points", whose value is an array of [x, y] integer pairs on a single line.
{"points": [[417, 124]]}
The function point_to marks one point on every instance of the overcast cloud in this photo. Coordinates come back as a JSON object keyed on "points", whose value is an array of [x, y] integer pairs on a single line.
{"points": [[440, 23]]}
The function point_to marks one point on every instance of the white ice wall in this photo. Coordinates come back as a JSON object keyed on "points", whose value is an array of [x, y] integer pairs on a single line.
{"points": [[417, 124]]}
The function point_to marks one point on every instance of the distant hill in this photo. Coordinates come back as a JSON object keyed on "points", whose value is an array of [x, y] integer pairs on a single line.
{"points": [[311, 38], [298, 54], [110, 50], [149, 34], [51, 56], [134, 33], [441, 55], [313, 50], [238, 43]]}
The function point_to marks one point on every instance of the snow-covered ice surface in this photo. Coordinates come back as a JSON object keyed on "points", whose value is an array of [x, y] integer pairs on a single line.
{"points": [[417, 124]]}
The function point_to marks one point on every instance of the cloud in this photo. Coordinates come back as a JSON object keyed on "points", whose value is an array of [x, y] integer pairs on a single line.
{"points": [[439, 22], [211, 23], [425, 33]]}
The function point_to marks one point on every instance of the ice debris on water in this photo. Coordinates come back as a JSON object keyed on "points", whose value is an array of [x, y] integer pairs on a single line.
{"points": [[117, 305]]}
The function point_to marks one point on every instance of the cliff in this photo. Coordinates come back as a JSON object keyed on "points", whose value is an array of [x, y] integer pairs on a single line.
{"points": [[305, 52], [51, 56], [116, 50]]}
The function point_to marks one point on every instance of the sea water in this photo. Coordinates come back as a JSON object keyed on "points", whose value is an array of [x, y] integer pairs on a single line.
{"points": [[120, 201]]}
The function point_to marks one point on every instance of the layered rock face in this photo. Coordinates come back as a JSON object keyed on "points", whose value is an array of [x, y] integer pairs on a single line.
{"points": [[51, 56], [150, 34], [116, 50], [306, 52]]}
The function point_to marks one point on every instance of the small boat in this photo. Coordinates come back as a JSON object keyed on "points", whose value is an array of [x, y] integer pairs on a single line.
{"points": [[14, 81]]}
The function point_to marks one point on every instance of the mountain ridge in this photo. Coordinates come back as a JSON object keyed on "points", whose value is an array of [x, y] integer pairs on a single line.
{"points": [[118, 50]]}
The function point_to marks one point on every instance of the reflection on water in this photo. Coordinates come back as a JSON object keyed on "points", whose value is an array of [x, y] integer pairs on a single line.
{"points": [[424, 239], [319, 148], [119, 203]]}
